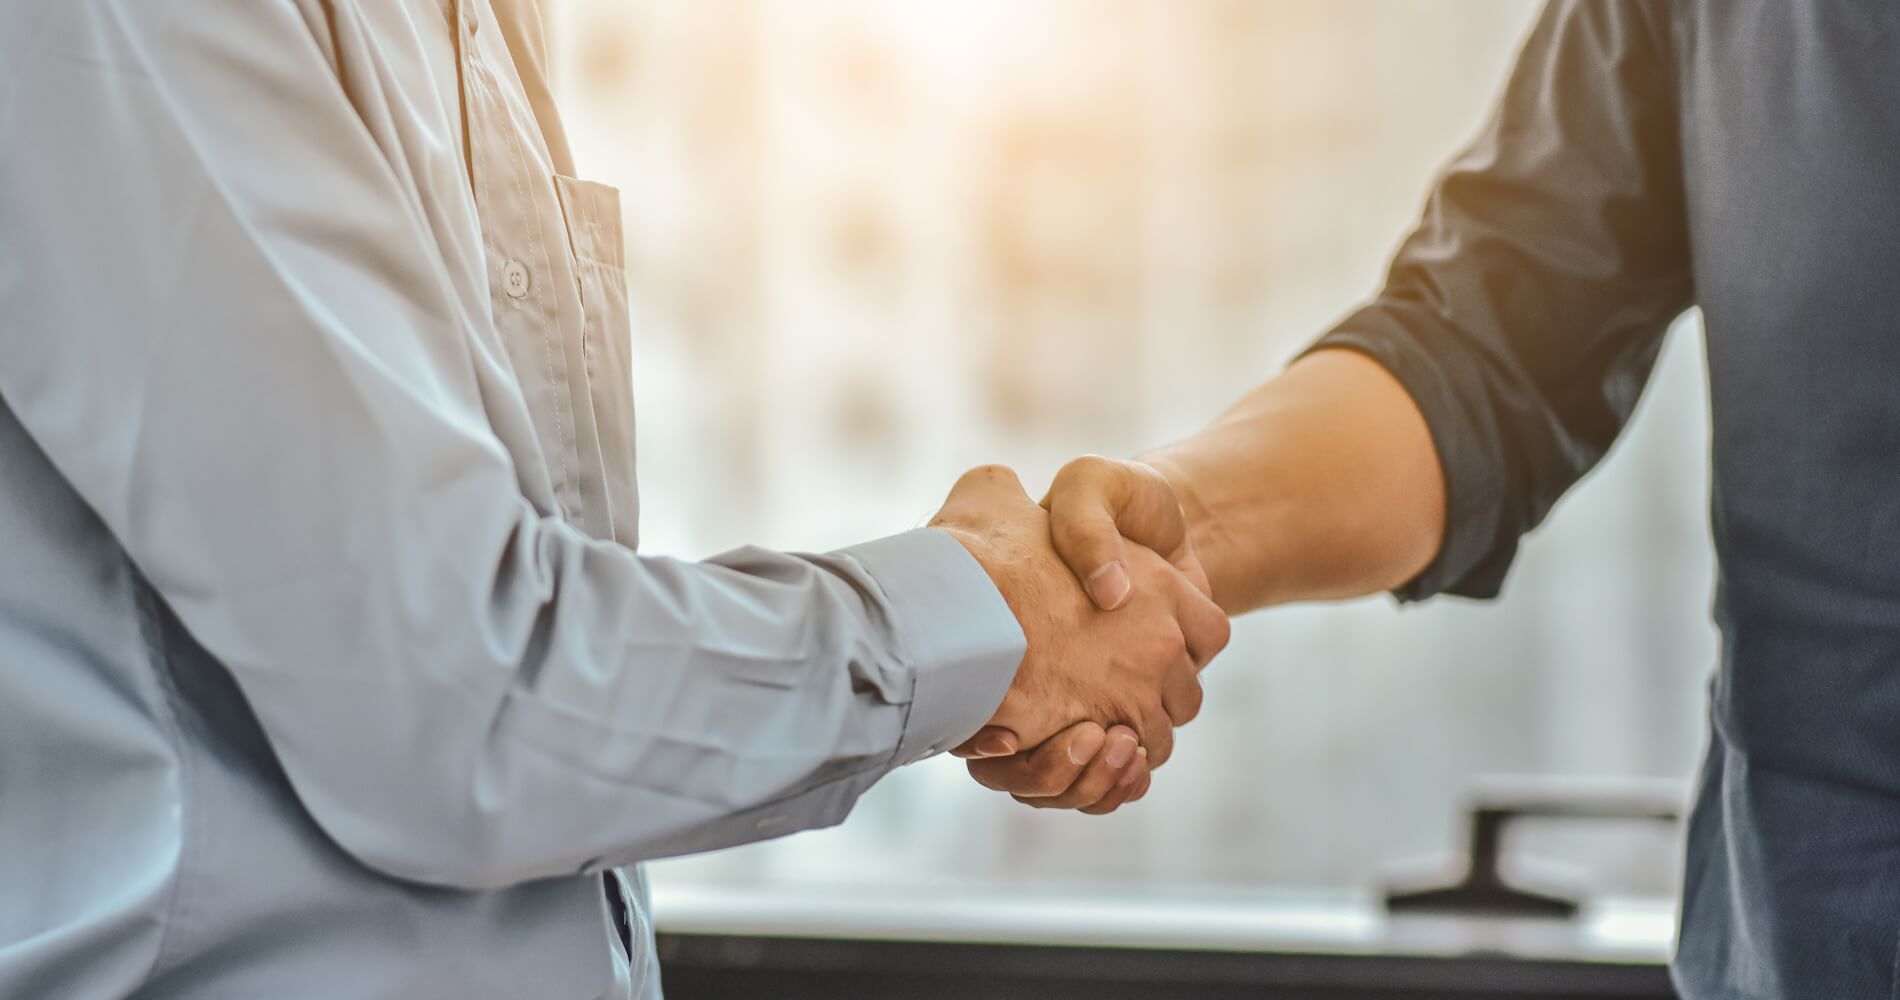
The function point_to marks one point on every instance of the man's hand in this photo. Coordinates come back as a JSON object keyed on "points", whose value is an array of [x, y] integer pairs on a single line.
{"points": [[1099, 508], [1322, 484], [1137, 666]]}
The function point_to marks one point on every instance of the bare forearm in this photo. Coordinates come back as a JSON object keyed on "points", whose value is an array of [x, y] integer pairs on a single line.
{"points": [[1321, 484]]}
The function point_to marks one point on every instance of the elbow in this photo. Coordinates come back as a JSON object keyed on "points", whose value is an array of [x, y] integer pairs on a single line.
{"points": [[445, 868], [420, 843], [418, 824], [450, 824]]}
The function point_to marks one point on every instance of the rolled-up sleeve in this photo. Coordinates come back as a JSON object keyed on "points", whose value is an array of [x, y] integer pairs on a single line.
{"points": [[226, 324], [1525, 312]]}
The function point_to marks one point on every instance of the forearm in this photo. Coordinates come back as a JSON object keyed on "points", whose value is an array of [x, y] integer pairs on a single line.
{"points": [[1321, 484]]}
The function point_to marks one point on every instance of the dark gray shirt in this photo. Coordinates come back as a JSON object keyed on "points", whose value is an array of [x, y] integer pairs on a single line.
{"points": [[1742, 156]]}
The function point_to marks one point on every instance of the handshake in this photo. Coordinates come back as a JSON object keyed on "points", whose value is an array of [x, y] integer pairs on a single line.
{"points": [[1119, 618]]}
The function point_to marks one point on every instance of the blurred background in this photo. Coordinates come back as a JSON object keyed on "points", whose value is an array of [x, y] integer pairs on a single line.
{"points": [[874, 242]]}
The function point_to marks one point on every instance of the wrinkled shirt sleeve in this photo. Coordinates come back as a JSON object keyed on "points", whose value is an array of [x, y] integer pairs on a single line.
{"points": [[226, 326], [1525, 312]]}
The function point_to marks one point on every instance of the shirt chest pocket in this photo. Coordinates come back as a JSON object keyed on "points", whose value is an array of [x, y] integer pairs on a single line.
{"points": [[592, 214]]}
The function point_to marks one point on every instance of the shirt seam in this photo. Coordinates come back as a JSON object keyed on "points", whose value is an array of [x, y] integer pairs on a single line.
{"points": [[145, 610]]}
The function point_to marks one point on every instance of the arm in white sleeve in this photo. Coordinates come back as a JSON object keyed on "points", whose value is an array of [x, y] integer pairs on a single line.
{"points": [[224, 321]]}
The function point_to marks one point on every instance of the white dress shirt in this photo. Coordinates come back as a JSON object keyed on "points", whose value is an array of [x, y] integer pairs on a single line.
{"points": [[327, 666]]}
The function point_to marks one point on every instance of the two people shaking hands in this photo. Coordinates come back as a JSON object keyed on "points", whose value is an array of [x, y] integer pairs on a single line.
{"points": [[329, 665], [1123, 577]]}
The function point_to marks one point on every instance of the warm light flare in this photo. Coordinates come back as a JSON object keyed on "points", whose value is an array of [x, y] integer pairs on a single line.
{"points": [[958, 41]]}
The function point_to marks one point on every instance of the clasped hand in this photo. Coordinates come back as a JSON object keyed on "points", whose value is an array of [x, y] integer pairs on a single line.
{"points": [[1119, 623]]}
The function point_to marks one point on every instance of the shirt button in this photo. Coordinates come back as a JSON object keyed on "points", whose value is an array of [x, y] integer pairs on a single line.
{"points": [[514, 279]]}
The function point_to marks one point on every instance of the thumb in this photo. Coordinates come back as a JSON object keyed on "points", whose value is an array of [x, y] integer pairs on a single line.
{"points": [[1094, 504]]}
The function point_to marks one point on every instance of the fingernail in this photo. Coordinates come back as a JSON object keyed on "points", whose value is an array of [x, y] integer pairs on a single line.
{"points": [[994, 745], [1130, 776], [1121, 751], [1109, 586], [1086, 746]]}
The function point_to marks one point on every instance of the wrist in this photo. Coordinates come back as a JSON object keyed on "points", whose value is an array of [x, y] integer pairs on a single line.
{"points": [[1234, 572], [1004, 573], [1203, 527], [1194, 508]]}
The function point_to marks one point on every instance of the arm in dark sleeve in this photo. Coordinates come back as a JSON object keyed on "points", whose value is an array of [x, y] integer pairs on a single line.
{"points": [[1525, 312]]}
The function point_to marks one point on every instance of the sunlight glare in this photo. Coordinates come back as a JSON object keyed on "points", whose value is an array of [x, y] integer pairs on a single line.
{"points": [[960, 41]]}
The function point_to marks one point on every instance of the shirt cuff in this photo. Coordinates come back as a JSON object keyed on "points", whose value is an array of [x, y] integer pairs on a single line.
{"points": [[959, 637]]}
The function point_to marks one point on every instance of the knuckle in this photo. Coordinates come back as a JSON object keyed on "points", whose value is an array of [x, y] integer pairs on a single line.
{"points": [[1186, 706], [1160, 641], [1160, 746], [987, 474], [1221, 631], [1205, 628], [1089, 468], [1192, 710]]}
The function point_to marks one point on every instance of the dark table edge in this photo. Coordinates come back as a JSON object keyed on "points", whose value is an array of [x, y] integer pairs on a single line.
{"points": [[1472, 975]]}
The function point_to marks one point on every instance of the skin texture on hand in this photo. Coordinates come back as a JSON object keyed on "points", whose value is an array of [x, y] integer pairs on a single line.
{"points": [[1322, 484], [1137, 666]]}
